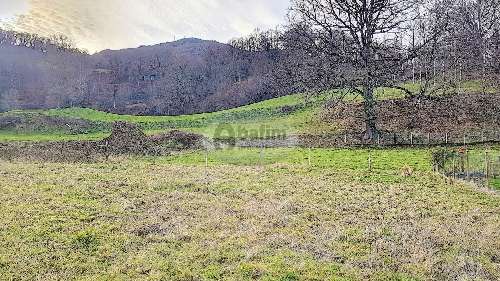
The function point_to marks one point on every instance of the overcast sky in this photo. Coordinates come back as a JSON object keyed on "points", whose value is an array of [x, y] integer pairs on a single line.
{"points": [[114, 24]]}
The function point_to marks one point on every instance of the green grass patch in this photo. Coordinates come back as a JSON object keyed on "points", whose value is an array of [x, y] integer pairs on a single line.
{"points": [[172, 218], [293, 114], [54, 136], [495, 184]]}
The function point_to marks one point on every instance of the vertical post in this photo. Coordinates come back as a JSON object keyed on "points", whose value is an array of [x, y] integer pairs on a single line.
{"points": [[467, 163], [345, 139], [454, 168], [429, 138], [465, 140], [261, 154], [378, 139], [370, 161], [206, 158], [446, 138], [487, 168], [411, 139]]}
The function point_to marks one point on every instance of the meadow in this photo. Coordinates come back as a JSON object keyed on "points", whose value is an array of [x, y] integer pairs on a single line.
{"points": [[293, 114], [242, 213], [293, 214]]}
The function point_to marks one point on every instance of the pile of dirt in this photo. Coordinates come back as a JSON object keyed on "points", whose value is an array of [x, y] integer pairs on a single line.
{"points": [[454, 114], [178, 139], [126, 138], [36, 122]]}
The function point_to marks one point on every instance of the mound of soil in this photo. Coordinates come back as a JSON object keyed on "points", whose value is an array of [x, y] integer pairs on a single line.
{"points": [[42, 123], [454, 114], [126, 138], [178, 139]]}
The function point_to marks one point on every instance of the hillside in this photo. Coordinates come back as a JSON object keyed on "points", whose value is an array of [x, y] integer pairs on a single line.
{"points": [[182, 77], [289, 113], [468, 112]]}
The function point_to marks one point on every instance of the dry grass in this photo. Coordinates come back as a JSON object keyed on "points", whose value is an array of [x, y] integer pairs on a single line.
{"points": [[131, 219]]}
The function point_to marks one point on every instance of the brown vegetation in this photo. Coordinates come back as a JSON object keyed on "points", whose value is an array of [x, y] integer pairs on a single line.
{"points": [[454, 114]]}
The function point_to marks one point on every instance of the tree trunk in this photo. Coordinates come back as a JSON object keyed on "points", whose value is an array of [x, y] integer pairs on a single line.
{"points": [[371, 132]]}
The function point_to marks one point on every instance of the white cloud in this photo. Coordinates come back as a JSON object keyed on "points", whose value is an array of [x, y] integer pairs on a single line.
{"points": [[114, 24]]}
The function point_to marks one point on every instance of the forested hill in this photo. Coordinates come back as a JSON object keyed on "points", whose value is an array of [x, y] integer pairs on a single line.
{"points": [[181, 77]]}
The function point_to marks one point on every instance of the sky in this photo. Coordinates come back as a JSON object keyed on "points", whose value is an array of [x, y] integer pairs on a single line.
{"points": [[96, 25]]}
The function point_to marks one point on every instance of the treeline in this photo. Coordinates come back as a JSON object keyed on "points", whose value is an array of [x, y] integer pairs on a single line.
{"points": [[37, 42], [449, 41]]}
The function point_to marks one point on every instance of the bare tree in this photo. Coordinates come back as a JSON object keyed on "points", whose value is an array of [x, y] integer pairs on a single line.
{"points": [[360, 34], [478, 20]]}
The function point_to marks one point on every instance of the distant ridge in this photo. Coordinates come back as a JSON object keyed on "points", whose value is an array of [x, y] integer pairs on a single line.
{"points": [[186, 76]]}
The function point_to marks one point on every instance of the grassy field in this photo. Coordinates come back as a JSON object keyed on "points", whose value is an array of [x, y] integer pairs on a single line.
{"points": [[269, 114], [291, 114], [243, 218], [242, 214]]}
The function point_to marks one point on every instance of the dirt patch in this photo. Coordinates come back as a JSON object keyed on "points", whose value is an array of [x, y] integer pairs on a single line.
{"points": [[36, 122], [125, 139], [178, 139], [73, 151], [454, 114]]}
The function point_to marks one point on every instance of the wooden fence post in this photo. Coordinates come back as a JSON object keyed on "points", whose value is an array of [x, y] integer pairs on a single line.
{"points": [[261, 154], [454, 168], [446, 138], [206, 158], [411, 139], [467, 163], [370, 161], [429, 138], [487, 168]]}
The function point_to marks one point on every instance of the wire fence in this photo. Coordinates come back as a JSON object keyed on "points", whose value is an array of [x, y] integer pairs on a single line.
{"points": [[356, 139], [479, 166], [402, 139]]}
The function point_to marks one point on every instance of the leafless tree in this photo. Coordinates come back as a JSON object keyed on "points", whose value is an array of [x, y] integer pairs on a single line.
{"points": [[361, 36], [478, 21]]}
